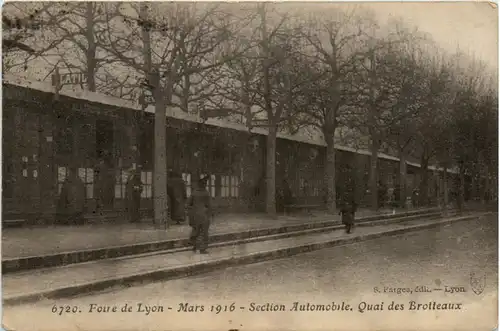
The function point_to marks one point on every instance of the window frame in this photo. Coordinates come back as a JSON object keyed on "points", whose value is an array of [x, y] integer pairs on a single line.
{"points": [[121, 180], [88, 181], [230, 186], [60, 182], [186, 177], [147, 185]]}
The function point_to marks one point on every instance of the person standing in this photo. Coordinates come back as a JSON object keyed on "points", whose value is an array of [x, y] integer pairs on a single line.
{"points": [[133, 196], [200, 212], [101, 183], [176, 190], [415, 198], [71, 204], [182, 197], [78, 195]]}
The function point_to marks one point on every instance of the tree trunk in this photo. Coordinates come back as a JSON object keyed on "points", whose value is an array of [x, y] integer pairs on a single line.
{"points": [[91, 47], [492, 183], [402, 178], [437, 178], [445, 187], [461, 190], [424, 183], [483, 189], [160, 196], [330, 176], [486, 190], [271, 172], [374, 173], [73, 167], [160, 155]]}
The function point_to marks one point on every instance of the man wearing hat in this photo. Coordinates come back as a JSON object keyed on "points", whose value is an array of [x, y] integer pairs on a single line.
{"points": [[133, 196], [200, 212]]}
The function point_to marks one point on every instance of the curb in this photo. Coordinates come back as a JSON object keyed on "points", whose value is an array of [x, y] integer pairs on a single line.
{"points": [[72, 257], [207, 266], [431, 217]]}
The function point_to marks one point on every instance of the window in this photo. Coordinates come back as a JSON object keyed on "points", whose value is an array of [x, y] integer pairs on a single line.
{"points": [[302, 188], [230, 186], [87, 177], [121, 183], [316, 188], [210, 184], [62, 174], [187, 181], [390, 180], [224, 189], [25, 166], [147, 184], [235, 186]]}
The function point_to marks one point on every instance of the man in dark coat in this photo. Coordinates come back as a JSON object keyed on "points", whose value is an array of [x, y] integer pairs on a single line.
{"points": [[176, 190], [104, 181], [71, 204], [348, 211], [287, 193], [133, 196], [200, 212]]}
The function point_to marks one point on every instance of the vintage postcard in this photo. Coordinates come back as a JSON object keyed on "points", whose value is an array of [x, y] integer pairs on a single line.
{"points": [[249, 166]]}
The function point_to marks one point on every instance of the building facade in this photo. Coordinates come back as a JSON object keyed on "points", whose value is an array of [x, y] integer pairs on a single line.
{"points": [[46, 138]]}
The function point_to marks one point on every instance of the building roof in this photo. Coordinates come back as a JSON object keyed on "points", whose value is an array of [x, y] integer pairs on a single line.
{"points": [[95, 97]]}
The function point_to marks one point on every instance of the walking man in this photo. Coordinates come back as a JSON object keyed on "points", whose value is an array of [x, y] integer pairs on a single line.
{"points": [[348, 212], [133, 194], [200, 212]]}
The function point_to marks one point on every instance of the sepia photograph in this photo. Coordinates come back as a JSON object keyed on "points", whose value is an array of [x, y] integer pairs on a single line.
{"points": [[248, 166]]}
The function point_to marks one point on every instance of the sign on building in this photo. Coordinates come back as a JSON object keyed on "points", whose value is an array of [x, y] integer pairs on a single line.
{"points": [[73, 79], [68, 79]]}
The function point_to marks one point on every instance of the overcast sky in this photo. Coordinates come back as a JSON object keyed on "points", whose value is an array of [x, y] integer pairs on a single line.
{"points": [[471, 25]]}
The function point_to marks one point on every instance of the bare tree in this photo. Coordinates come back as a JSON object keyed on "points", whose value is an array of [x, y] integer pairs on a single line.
{"points": [[336, 45], [381, 95], [408, 81], [24, 27], [179, 41], [265, 83], [77, 47], [472, 108], [275, 50], [437, 95]]}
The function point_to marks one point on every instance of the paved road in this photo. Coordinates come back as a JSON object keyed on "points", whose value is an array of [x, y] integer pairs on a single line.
{"points": [[437, 258]]}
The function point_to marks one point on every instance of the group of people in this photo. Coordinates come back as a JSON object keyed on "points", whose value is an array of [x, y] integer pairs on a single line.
{"points": [[71, 204], [200, 212], [176, 192], [199, 206]]}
